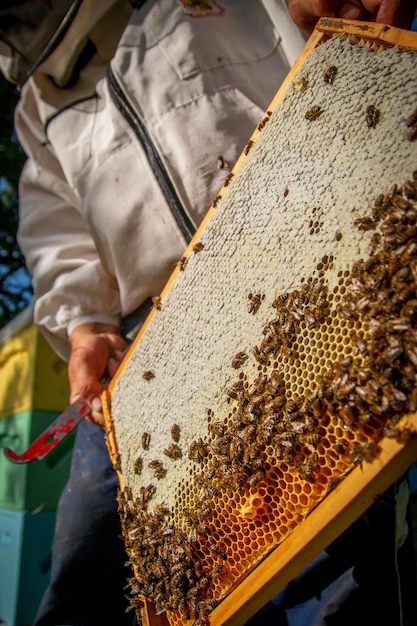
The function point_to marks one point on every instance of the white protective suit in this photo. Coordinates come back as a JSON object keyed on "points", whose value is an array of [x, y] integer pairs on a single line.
{"points": [[123, 165]]}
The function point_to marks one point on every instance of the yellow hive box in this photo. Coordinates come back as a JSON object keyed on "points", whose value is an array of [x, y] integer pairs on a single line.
{"points": [[31, 375], [271, 394]]}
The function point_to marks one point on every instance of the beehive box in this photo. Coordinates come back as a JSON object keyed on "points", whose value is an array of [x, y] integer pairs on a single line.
{"points": [[31, 374], [271, 393], [25, 563]]}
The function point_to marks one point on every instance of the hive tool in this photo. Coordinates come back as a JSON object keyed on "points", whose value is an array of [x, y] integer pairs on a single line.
{"points": [[53, 434]]}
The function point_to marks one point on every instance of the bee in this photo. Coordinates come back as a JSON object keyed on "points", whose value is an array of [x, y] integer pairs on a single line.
{"points": [[248, 433], [276, 380], [138, 465], [194, 605], [257, 387], [374, 243], [293, 405], [191, 521], [182, 263], [348, 415], [203, 582], [236, 391], [313, 113], [173, 452], [177, 579], [256, 478], [159, 568], [216, 201], [248, 146], [260, 355], [372, 116], [182, 606], [205, 513], [197, 247], [236, 449], [198, 451], [239, 359], [217, 429], [365, 223], [161, 511], [366, 452], [156, 302], [210, 604], [116, 463], [146, 494], [333, 482], [216, 572], [198, 567], [254, 302], [310, 438], [221, 445], [411, 133], [412, 119], [264, 120], [405, 434], [214, 549], [159, 470], [192, 592], [190, 575], [330, 74], [175, 433], [401, 204], [221, 163], [206, 493], [410, 190], [146, 440], [306, 469]]}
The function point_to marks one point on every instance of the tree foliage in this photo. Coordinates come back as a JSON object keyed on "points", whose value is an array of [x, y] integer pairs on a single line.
{"points": [[15, 283]]}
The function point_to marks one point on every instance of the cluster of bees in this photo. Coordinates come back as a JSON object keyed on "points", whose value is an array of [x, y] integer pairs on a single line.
{"points": [[369, 389], [167, 570], [374, 385]]}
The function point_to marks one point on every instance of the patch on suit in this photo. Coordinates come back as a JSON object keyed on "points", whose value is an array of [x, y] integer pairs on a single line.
{"points": [[193, 8]]}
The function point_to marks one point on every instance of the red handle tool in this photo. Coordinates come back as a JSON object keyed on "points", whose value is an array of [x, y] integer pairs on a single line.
{"points": [[51, 437]]}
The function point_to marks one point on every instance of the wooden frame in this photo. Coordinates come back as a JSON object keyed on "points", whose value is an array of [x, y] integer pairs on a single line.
{"points": [[358, 490]]}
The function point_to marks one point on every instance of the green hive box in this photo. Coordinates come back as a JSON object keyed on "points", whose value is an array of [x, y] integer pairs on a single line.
{"points": [[38, 484], [34, 390], [25, 558]]}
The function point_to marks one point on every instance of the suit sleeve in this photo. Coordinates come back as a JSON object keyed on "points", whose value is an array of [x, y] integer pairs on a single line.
{"points": [[70, 285]]}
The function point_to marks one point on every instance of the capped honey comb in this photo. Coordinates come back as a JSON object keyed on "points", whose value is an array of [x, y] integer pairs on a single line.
{"points": [[285, 347]]}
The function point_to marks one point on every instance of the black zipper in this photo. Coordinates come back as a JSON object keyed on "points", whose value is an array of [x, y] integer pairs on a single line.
{"points": [[164, 181], [70, 105]]}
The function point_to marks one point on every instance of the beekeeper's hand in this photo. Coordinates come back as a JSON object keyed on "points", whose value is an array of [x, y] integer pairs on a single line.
{"points": [[399, 13], [96, 351]]}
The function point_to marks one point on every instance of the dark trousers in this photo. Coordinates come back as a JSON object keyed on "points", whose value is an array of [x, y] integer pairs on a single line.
{"points": [[89, 574]]}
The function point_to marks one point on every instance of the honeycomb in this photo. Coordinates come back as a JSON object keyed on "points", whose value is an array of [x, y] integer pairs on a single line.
{"points": [[284, 348]]}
